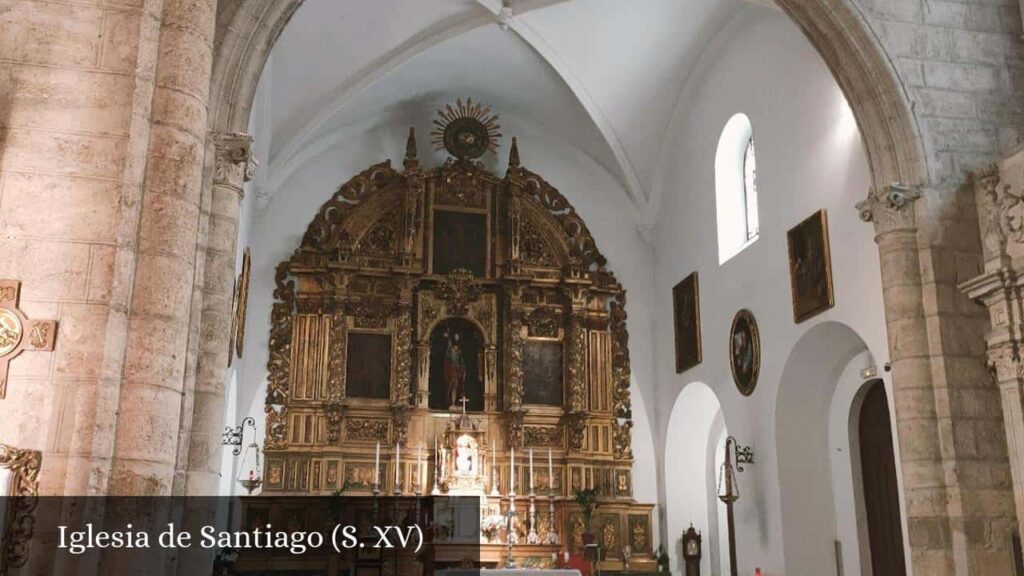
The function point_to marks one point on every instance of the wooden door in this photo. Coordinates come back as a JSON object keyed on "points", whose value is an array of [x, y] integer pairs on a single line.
{"points": [[881, 495]]}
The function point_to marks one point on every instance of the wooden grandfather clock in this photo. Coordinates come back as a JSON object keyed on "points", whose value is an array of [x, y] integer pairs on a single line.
{"points": [[691, 551]]}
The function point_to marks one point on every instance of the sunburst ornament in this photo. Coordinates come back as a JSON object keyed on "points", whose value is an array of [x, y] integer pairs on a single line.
{"points": [[466, 131]]}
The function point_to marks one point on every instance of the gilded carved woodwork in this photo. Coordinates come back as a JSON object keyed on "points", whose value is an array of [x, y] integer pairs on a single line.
{"points": [[576, 423], [622, 440], [576, 370], [21, 501], [338, 354], [335, 411], [366, 430], [403, 355], [514, 360], [365, 269], [544, 322], [400, 421], [514, 428], [458, 290], [620, 357], [276, 427], [543, 436]]}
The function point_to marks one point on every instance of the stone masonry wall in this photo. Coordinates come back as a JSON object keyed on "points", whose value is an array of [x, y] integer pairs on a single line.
{"points": [[70, 78], [962, 65]]}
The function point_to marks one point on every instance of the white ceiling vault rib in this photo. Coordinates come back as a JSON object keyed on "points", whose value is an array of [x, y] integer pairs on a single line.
{"points": [[371, 74], [575, 84]]}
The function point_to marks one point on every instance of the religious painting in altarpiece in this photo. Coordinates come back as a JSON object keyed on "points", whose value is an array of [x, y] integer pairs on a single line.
{"points": [[423, 296]]}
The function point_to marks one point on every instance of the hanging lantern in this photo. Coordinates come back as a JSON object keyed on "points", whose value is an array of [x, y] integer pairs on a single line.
{"points": [[728, 488], [250, 475]]}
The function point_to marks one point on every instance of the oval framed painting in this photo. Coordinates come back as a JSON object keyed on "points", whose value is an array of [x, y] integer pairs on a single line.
{"points": [[744, 351]]}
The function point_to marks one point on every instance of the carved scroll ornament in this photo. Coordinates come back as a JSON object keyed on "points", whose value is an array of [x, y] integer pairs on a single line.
{"points": [[24, 467]]}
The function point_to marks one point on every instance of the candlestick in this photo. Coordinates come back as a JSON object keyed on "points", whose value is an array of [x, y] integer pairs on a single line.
{"points": [[531, 470], [494, 469], [532, 537], [512, 471], [398, 466], [376, 465], [437, 470], [551, 474], [552, 533]]}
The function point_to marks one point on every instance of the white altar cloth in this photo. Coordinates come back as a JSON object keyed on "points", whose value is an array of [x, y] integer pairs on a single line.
{"points": [[507, 572]]}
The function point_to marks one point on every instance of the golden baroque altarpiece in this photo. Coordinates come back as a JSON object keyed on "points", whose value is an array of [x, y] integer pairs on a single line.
{"points": [[421, 294]]}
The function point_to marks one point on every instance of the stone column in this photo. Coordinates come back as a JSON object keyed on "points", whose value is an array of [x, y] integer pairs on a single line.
{"points": [[146, 437], [1000, 288], [951, 470], [232, 168]]}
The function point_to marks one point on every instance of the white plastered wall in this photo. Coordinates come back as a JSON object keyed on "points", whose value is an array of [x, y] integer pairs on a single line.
{"points": [[809, 157]]}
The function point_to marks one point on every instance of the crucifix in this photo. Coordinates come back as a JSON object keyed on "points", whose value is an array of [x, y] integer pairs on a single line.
{"points": [[463, 401], [17, 332]]}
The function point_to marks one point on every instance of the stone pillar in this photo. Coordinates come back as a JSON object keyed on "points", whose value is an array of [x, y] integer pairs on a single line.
{"points": [[153, 378], [952, 471], [233, 162], [1000, 288]]}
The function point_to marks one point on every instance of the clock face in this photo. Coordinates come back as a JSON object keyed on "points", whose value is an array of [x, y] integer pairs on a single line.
{"points": [[692, 548], [466, 138]]}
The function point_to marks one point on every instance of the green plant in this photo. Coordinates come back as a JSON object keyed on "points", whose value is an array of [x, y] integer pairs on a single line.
{"points": [[661, 557], [587, 501]]}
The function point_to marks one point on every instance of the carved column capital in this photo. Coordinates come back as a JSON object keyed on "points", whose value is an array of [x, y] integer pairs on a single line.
{"points": [[890, 208], [234, 162], [1005, 362]]}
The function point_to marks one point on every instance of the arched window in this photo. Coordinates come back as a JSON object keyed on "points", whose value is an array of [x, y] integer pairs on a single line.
{"points": [[736, 188], [750, 190]]}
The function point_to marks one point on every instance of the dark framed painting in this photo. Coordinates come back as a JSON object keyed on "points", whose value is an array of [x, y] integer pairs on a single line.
{"points": [[744, 351], [368, 371], [686, 315], [810, 267], [460, 242], [542, 373]]}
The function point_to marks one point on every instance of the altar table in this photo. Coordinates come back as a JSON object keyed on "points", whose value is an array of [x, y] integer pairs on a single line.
{"points": [[507, 572]]}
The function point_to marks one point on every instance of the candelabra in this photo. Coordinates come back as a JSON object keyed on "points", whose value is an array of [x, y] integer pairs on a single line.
{"points": [[552, 534], [436, 490], [512, 535], [494, 481], [376, 502], [532, 537]]}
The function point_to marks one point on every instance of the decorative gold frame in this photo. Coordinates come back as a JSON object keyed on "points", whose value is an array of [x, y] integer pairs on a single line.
{"points": [[746, 389], [677, 291], [21, 501], [827, 256]]}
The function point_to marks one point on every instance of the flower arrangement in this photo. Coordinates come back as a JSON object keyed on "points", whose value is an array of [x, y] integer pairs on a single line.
{"points": [[491, 525]]}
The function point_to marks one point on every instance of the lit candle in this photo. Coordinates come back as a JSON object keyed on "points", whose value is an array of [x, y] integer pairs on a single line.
{"points": [[398, 464], [531, 470], [376, 465], [512, 471], [494, 456], [551, 473]]}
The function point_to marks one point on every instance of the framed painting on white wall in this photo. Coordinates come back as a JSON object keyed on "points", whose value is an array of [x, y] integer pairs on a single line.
{"points": [[810, 267]]}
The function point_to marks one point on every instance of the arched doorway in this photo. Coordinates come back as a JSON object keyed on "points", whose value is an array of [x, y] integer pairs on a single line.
{"points": [[880, 488], [693, 455], [820, 378]]}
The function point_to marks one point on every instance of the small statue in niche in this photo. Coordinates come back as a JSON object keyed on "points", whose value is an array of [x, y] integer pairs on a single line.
{"points": [[454, 370]]}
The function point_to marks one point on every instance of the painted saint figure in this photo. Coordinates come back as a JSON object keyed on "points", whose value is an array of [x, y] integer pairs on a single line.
{"points": [[454, 373]]}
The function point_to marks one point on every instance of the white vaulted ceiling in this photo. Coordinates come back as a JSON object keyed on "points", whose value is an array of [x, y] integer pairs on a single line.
{"points": [[601, 75]]}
